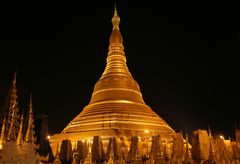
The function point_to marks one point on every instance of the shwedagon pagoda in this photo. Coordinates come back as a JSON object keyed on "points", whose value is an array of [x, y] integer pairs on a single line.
{"points": [[115, 127]]}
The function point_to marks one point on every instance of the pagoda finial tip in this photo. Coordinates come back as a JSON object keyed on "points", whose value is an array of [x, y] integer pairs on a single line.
{"points": [[115, 10], [115, 19], [15, 77], [30, 103]]}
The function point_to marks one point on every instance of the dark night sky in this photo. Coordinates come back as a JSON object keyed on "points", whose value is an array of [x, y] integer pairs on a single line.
{"points": [[183, 55]]}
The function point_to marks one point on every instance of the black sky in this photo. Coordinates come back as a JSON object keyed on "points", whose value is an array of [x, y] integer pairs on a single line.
{"points": [[183, 55]]}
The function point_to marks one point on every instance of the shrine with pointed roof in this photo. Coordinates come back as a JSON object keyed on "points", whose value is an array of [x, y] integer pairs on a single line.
{"points": [[16, 146]]}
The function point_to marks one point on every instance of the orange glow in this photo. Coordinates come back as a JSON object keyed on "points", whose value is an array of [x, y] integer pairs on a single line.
{"points": [[221, 137], [146, 131]]}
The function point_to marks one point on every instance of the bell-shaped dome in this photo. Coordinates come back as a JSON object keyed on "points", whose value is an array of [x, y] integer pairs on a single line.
{"points": [[117, 102]]}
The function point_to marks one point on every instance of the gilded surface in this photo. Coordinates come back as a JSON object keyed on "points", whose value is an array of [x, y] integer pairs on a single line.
{"points": [[117, 102]]}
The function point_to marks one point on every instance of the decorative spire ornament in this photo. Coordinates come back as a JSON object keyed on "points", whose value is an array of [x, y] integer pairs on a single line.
{"points": [[30, 131], [12, 131], [212, 156], [20, 135], [2, 139], [12, 105]]}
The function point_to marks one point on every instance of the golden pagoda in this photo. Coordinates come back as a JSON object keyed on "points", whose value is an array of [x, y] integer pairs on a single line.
{"points": [[116, 108]]}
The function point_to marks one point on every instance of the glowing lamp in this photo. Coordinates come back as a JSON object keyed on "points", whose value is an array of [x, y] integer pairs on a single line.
{"points": [[221, 137], [146, 131]]}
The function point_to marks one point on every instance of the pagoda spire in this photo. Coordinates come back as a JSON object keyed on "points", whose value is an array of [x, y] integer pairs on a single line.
{"points": [[211, 140], [116, 60], [30, 132], [2, 139], [13, 95], [15, 78], [116, 74], [12, 130], [115, 19], [20, 135], [12, 104], [115, 40]]}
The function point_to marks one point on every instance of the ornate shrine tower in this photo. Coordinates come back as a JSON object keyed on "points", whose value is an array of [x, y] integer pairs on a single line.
{"points": [[116, 108]]}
